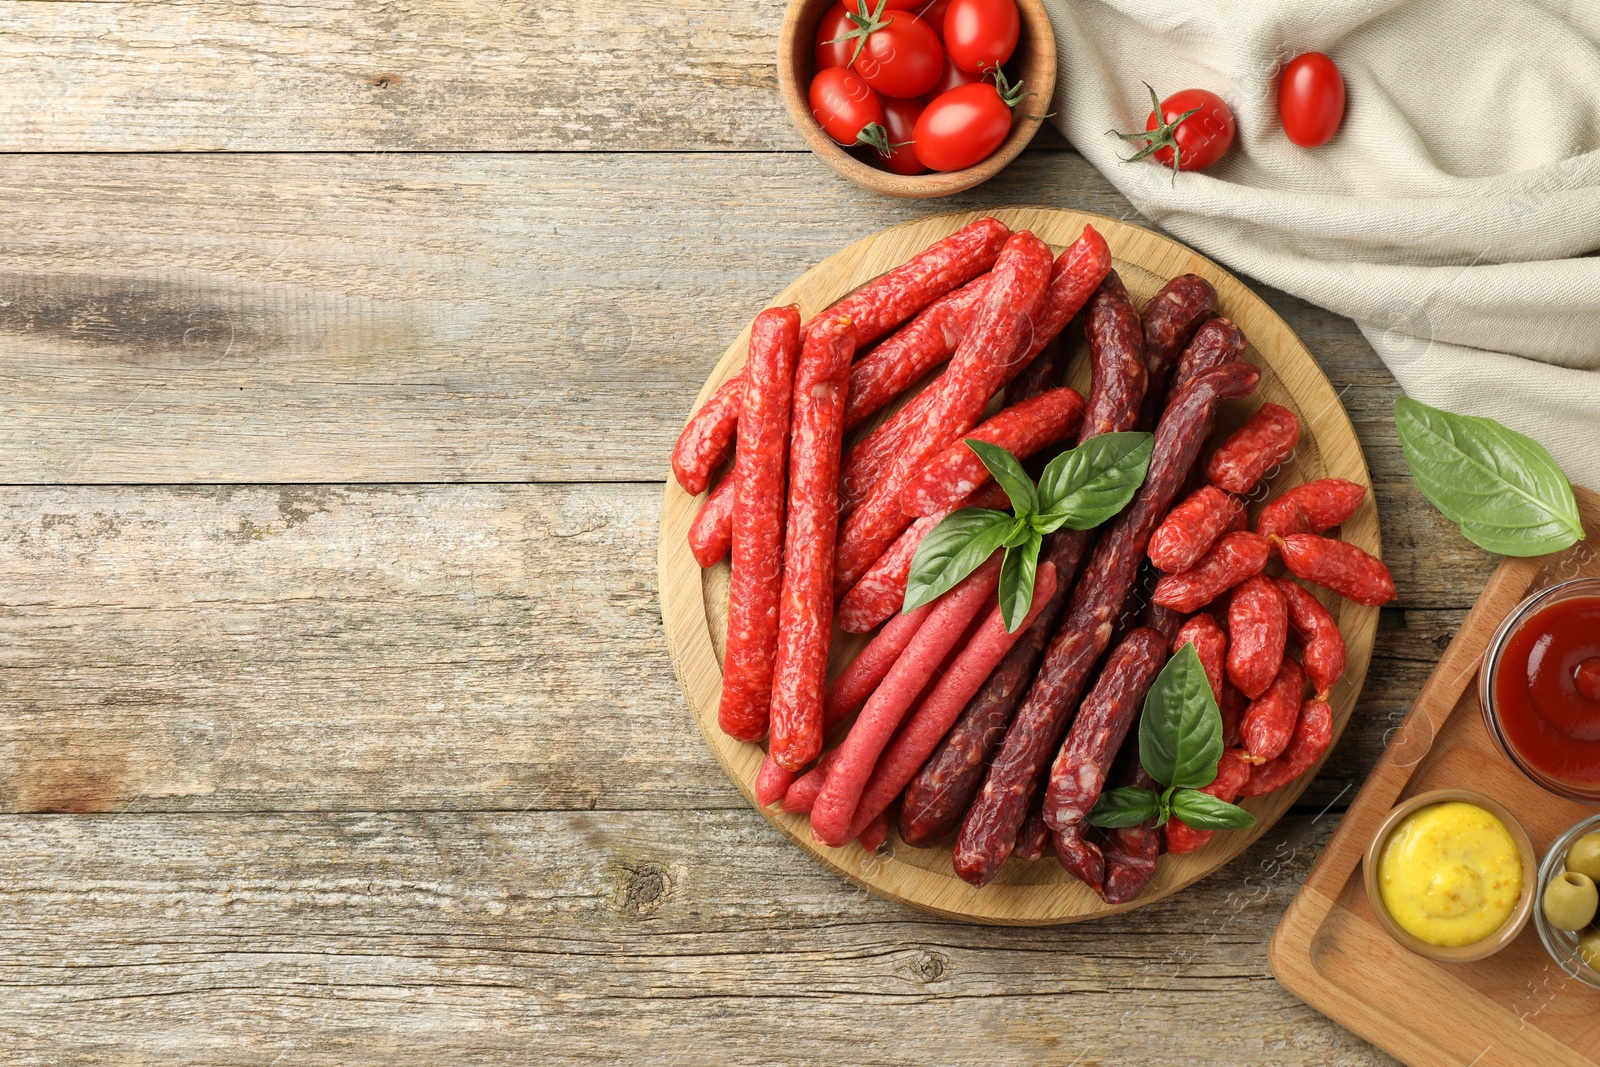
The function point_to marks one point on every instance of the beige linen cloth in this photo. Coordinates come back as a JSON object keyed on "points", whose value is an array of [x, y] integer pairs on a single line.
{"points": [[1452, 215]]}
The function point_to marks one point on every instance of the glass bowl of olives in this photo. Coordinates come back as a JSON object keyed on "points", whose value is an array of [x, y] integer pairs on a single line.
{"points": [[1568, 902]]}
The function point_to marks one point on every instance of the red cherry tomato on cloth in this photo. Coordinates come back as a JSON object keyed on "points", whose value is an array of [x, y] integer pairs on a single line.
{"points": [[902, 59], [846, 108], [834, 49], [952, 77], [1195, 122], [900, 123], [981, 34], [962, 127], [1311, 99]]}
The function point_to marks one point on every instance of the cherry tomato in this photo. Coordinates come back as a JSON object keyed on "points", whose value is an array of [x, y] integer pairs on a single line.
{"points": [[1202, 138], [902, 59], [845, 106], [980, 34], [1311, 99], [900, 123], [933, 14], [833, 50], [961, 127], [952, 77]]}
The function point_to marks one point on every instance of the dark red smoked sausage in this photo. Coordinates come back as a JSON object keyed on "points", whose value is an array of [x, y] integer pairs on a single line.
{"points": [[805, 606], [1258, 628], [1259, 445], [1042, 375], [1130, 851], [1191, 528], [990, 828], [757, 577], [1269, 721], [1170, 320], [1231, 560], [1216, 342], [1079, 773], [1321, 645], [1116, 340], [1311, 508], [1337, 565]]}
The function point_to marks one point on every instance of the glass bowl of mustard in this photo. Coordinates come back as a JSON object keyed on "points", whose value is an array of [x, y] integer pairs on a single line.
{"points": [[1451, 875], [1562, 944]]}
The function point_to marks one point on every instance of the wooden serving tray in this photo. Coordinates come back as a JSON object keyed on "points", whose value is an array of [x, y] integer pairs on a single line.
{"points": [[694, 602], [1514, 1009]]}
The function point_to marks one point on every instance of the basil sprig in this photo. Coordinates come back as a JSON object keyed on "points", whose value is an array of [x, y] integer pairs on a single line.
{"points": [[1079, 489], [1180, 744], [1504, 490]]}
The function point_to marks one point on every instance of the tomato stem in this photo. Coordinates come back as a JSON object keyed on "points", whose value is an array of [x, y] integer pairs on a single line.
{"points": [[866, 25], [874, 136], [1165, 135]]}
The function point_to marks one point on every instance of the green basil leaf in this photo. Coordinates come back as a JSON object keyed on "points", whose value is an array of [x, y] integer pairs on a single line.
{"points": [[1021, 530], [1503, 489], [1202, 811], [1180, 731], [1085, 486], [1127, 806], [1009, 473], [1017, 573], [952, 550]]}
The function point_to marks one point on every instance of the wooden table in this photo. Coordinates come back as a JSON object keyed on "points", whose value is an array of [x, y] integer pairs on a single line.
{"points": [[342, 347]]}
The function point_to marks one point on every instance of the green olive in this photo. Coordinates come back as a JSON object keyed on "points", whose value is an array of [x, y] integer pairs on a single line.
{"points": [[1584, 856], [1570, 901], [1589, 949]]}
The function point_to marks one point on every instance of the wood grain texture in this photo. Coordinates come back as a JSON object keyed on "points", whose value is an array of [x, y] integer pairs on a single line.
{"points": [[385, 648], [460, 75], [1027, 893], [1516, 1007], [655, 938]]}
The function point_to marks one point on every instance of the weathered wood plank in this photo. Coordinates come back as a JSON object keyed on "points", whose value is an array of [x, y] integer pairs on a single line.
{"points": [[479, 938], [452, 75], [376, 648]]}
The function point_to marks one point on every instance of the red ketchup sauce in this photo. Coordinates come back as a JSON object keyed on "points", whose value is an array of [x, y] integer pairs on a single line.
{"points": [[1547, 690]]}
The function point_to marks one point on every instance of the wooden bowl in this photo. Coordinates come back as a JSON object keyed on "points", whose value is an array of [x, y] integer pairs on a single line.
{"points": [[694, 602], [1034, 62]]}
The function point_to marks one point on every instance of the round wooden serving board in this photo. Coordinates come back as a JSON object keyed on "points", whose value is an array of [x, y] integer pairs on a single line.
{"points": [[694, 602]]}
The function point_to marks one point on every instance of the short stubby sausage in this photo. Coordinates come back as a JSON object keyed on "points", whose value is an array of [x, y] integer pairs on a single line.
{"points": [[1169, 321], [1001, 325], [1079, 773], [1216, 342], [1266, 440], [1312, 735], [1338, 565], [1231, 560], [1191, 528], [711, 533], [757, 577], [911, 351], [1311, 508], [1321, 644], [1034, 839], [1232, 774], [708, 436], [1233, 705], [990, 828], [1269, 721], [805, 604], [1079, 856], [1116, 344], [1210, 644], [1021, 430], [1258, 629]]}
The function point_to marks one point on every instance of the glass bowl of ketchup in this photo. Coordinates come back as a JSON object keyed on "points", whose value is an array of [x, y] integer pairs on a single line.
{"points": [[1540, 688]]}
